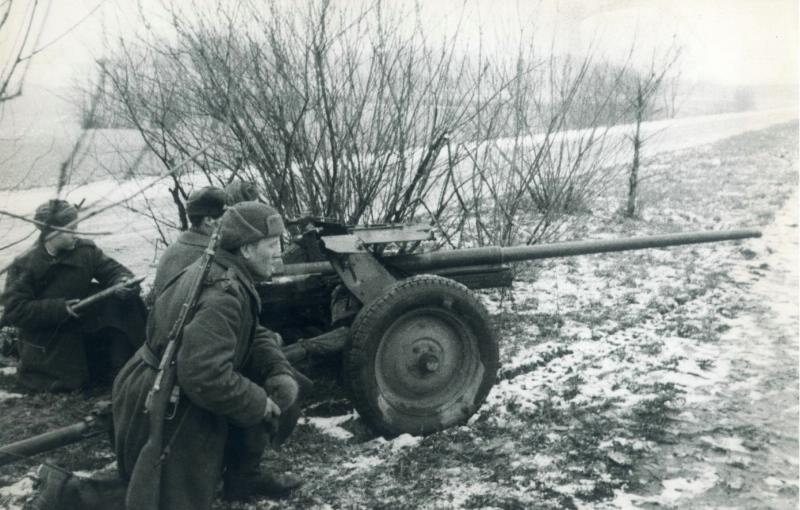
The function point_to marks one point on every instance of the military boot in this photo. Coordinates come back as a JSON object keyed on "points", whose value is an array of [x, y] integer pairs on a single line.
{"points": [[59, 489], [50, 486], [238, 487]]}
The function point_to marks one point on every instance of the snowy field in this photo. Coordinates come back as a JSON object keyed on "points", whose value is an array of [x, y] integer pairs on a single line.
{"points": [[658, 379]]}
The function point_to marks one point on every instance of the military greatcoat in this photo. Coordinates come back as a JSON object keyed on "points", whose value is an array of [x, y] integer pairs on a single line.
{"points": [[53, 348], [179, 255], [222, 364]]}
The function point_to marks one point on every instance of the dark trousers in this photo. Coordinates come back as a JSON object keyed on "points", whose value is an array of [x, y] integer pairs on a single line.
{"points": [[106, 352]]}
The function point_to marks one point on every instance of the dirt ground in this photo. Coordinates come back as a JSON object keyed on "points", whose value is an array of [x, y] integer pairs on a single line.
{"points": [[655, 379]]}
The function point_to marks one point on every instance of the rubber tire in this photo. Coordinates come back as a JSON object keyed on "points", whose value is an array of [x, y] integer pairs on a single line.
{"points": [[453, 310]]}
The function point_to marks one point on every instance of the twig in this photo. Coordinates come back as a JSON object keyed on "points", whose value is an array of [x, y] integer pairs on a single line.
{"points": [[118, 202], [58, 229]]}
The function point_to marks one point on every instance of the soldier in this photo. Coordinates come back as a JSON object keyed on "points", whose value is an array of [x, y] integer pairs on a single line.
{"points": [[59, 350], [240, 191], [204, 208], [225, 362]]}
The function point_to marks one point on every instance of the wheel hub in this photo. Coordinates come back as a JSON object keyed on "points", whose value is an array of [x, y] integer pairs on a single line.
{"points": [[425, 359]]}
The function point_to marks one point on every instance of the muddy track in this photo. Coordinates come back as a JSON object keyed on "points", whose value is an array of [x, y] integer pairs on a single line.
{"points": [[734, 443]]}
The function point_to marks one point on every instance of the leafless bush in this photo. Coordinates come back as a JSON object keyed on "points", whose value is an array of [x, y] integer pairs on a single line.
{"points": [[357, 116], [522, 186]]}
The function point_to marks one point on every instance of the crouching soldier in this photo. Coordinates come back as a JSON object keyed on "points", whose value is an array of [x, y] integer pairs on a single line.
{"points": [[59, 349], [204, 208], [233, 379]]}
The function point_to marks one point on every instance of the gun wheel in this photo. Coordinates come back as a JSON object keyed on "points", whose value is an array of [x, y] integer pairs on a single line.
{"points": [[421, 358]]}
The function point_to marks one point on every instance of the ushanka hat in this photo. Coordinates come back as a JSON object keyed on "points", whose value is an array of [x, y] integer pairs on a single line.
{"points": [[55, 213], [240, 191], [208, 201], [248, 222]]}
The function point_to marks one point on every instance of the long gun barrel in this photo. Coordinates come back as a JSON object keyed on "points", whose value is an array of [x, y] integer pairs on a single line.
{"points": [[96, 423], [493, 255]]}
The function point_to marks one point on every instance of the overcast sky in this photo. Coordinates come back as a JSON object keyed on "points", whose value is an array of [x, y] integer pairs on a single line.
{"points": [[723, 41]]}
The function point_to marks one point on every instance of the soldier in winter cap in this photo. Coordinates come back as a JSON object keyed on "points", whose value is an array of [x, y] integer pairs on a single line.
{"points": [[205, 202], [59, 349], [56, 213], [204, 207], [233, 376], [253, 230], [248, 222]]}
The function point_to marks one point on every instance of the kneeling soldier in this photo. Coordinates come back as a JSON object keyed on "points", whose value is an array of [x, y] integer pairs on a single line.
{"points": [[224, 363], [60, 350], [204, 208]]}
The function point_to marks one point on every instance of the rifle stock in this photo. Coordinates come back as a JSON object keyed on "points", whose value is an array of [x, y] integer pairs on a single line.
{"points": [[105, 293], [144, 489]]}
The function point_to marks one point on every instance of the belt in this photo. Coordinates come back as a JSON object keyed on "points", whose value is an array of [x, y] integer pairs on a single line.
{"points": [[148, 357]]}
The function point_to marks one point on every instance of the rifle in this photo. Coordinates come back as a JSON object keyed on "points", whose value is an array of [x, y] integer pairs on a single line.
{"points": [[94, 298], [144, 489], [105, 293]]}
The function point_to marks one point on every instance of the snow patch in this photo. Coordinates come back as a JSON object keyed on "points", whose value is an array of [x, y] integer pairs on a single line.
{"points": [[17, 491], [405, 441], [332, 425], [362, 463], [8, 371], [731, 444], [4, 395]]}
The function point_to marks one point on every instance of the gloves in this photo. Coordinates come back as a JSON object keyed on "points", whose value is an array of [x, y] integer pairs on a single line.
{"points": [[271, 411], [283, 390], [127, 291], [276, 337]]}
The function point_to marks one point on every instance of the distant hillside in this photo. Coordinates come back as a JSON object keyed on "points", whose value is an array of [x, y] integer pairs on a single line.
{"points": [[37, 133], [704, 98], [39, 129]]}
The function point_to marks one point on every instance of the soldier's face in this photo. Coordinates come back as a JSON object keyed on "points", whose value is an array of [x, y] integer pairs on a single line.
{"points": [[264, 257], [61, 241]]}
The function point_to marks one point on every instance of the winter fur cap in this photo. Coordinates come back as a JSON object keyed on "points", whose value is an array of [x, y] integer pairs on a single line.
{"points": [[240, 191], [248, 222], [55, 213], [208, 201]]}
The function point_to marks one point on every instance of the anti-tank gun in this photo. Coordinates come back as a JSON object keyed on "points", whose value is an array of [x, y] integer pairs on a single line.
{"points": [[420, 354]]}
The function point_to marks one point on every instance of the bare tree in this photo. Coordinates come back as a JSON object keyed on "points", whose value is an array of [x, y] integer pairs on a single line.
{"points": [[21, 27], [642, 90], [21, 30]]}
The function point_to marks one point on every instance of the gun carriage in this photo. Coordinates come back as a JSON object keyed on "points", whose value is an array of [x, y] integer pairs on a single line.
{"points": [[420, 354]]}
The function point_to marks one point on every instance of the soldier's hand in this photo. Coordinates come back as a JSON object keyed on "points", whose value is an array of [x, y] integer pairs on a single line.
{"points": [[282, 389], [69, 304], [277, 338], [271, 413]]}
